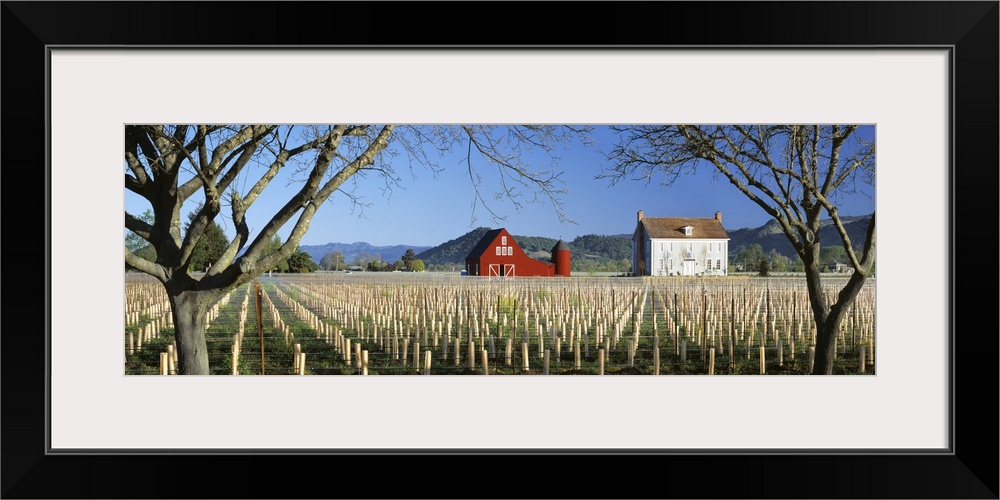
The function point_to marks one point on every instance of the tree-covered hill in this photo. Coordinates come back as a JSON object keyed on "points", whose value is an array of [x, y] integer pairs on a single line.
{"points": [[615, 247], [453, 251], [770, 236], [597, 249]]}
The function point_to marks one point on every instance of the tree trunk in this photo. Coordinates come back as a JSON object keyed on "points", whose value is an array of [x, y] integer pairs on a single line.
{"points": [[190, 309], [828, 318], [826, 345], [826, 334], [826, 323]]}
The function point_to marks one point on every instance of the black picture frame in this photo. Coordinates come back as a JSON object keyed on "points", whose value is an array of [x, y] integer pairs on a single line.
{"points": [[970, 29]]}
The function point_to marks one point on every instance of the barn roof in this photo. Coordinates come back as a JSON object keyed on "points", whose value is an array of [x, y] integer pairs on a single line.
{"points": [[484, 243], [673, 227]]}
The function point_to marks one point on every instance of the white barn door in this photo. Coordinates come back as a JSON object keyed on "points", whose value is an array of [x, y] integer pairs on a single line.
{"points": [[501, 270]]}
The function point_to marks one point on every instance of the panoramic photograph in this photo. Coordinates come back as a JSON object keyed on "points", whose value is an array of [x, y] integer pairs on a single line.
{"points": [[496, 249]]}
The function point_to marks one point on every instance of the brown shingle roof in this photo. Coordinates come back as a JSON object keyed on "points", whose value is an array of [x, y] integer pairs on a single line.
{"points": [[673, 227]]}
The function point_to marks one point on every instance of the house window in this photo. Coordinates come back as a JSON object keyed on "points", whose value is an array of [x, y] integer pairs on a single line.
{"points": [[498, 250], [671, 247], [718, 263], [503, 250], [690, 246], [687, 230], [670, 263], [510, 250], [503, 240]]}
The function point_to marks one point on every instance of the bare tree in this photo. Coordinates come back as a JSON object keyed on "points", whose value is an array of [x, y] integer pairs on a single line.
{"points": [[795, 173], [231, 165]]}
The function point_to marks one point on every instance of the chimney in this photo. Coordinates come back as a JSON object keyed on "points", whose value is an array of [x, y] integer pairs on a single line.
{"points": [[639, 216], [718, 217]]}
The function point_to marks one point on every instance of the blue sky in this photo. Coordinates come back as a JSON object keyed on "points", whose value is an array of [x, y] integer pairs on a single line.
{"points": [[426, 210]]}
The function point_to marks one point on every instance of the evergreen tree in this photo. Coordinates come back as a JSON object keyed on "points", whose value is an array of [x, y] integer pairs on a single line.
{"points": [[209, 248], [408, 259]]}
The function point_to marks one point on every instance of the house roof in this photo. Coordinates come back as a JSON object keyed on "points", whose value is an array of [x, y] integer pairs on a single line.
{"points": [[673, 227], [484, 243]]}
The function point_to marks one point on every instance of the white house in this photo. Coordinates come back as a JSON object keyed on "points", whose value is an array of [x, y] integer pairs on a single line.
{"points": [[680, 246]]}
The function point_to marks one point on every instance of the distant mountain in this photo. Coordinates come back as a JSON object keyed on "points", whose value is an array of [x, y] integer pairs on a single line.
{"points": [[352, 251], [770, 236]]}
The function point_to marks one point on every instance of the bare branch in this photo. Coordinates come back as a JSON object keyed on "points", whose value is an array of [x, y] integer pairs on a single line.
{"points": [[505, 152], [139, 227], [202, 145], [145, 266], [309, 198], [140, 178], [478, 197], [242, 235], [245, 138], [205, 179]]}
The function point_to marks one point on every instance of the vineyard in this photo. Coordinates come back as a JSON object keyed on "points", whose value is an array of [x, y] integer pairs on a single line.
{"points": [[437, 324]]}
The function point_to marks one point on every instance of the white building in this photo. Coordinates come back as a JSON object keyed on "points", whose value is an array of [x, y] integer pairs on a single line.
{"points": [[680, 246]]}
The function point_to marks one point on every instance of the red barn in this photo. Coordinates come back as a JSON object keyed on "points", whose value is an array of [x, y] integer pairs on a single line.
{"points": [[497, 254]]}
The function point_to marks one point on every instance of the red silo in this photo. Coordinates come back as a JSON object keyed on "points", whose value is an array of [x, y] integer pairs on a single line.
{"points": [[560, 256]]}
